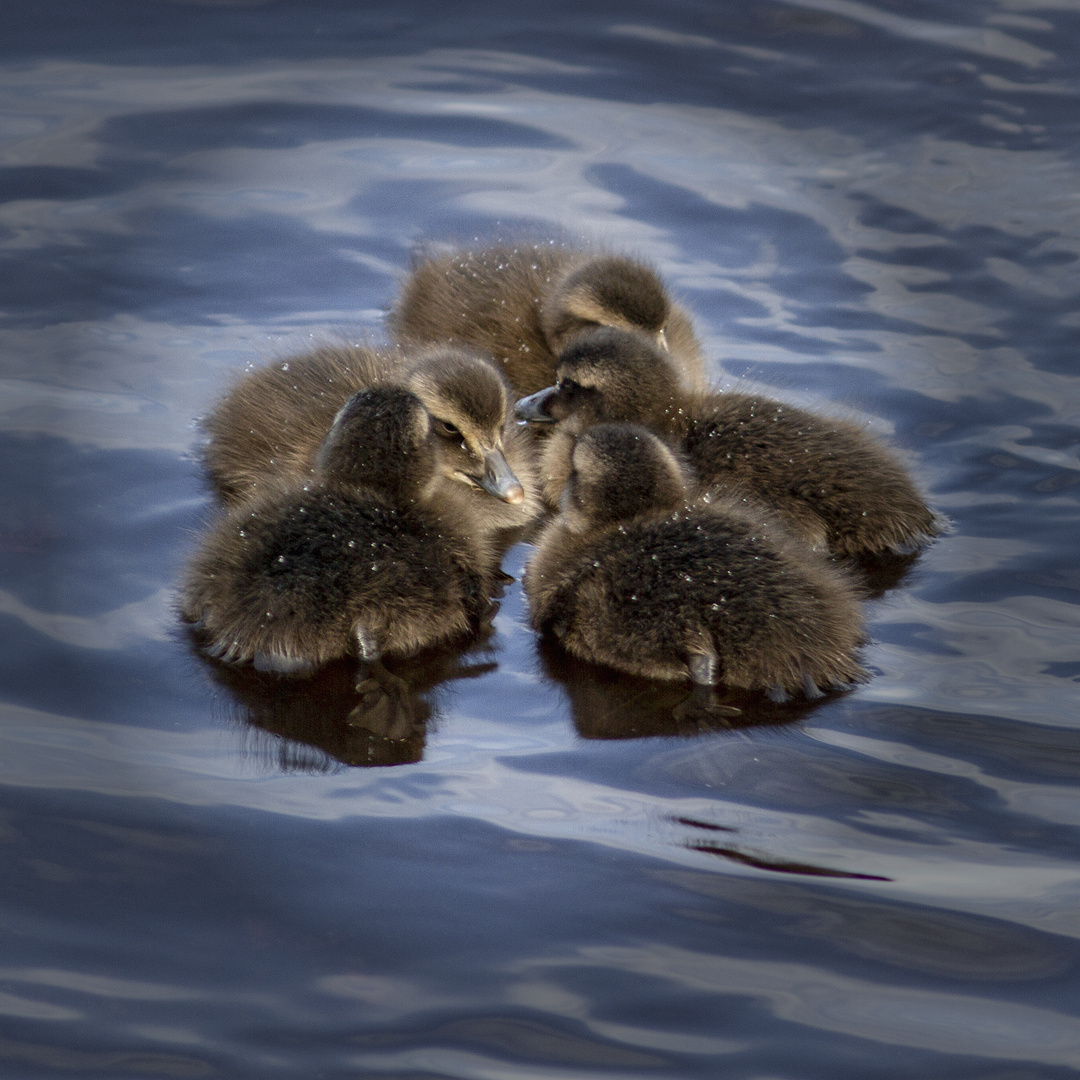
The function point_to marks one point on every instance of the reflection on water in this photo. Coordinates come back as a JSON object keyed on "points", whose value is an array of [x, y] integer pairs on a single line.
{"points": [[321, 711], [606, 704], [870, 208]]}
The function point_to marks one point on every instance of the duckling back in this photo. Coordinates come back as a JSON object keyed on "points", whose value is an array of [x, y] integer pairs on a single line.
{"points": [[292, 583], [706, 591], [522, 305], [272, 421], [831, 482], [357, 561]]}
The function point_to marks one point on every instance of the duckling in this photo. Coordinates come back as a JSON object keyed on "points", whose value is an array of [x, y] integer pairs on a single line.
{"points": [[632, 576], [367, 557], [522, 305], [271, 424], [831, 483]]}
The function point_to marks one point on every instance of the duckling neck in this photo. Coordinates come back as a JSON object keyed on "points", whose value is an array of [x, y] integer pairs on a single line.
{"points": [[454, 516]]}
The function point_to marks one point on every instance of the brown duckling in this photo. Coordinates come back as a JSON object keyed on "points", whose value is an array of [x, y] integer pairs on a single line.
{"points": [[367, 557], [830, 482], [633, 576], [270, 426], [522, 305]]}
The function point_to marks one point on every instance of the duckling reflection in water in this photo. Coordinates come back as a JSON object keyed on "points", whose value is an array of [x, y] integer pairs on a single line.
{"points": [[522, 304], [369, 558], [303, 725], [609, 704], [831, 484], [271, 424], [631, 576]]}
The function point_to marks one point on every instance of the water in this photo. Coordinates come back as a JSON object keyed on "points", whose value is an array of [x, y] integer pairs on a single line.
{"points": [[870, 208]]}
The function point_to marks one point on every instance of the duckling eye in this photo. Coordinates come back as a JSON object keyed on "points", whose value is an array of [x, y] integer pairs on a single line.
{"points": [[448, 431], [568, 386]]}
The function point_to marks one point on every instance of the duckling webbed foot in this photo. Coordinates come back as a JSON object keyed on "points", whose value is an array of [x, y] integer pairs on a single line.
{"points": [[387, 706], [487, 616], [702, 703]]}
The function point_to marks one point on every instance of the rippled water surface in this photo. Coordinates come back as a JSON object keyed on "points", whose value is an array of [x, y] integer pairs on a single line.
{"points": [[870, 208]]}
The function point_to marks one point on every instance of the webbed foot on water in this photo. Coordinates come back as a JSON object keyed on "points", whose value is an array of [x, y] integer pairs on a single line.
{"points": [[387, 706]]}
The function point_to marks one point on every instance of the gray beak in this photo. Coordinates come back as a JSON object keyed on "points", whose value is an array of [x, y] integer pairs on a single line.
{"points": [[499, 479], [531, 408]]}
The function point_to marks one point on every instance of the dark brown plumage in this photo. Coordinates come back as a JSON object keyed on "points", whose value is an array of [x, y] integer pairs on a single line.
{"points": [[830, 482], [366, 557], [522, 304], [268, 428], [631, 576]]}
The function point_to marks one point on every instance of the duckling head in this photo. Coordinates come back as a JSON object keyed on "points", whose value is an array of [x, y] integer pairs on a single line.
{"points": [[618, 472], [381, 438], [607, 375], [467, 399], [607, 290]]}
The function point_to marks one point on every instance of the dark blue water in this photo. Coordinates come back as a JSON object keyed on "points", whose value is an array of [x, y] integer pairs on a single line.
{"points": [[870, 208]]}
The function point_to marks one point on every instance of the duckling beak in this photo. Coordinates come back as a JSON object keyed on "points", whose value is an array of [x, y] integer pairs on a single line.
{"points": [[531, 408], [499, 479]]}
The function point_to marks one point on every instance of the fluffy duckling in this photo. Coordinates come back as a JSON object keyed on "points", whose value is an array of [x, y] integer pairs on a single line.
{"points": [[523, 304], [270, 426], [366, 558], [631, 576], [830, 482]]}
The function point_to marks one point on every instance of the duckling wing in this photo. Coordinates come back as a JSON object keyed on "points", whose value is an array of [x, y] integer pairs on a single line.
{"points": [[271, 423]]}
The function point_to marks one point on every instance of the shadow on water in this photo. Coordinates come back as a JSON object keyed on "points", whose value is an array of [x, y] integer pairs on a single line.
{"points": [[323, 712], [609, 704], [878, 574]]}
